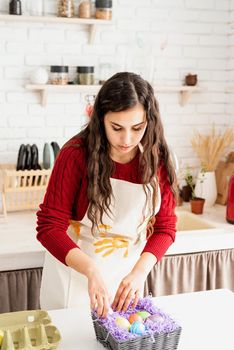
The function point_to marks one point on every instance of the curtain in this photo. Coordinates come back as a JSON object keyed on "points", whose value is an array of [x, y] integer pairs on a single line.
{"points": [[192, 272], [19, 290]]}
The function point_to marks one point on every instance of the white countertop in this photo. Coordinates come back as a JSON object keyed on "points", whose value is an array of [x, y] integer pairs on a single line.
{"points": [[19, 248], [206, 319], [221, 237]]}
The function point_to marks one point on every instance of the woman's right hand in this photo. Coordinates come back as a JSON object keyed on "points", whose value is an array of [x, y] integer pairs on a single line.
{"points": [[99, 296]]}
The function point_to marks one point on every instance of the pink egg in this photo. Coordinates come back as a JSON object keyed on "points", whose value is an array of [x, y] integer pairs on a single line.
{"points": [[135, 317], [156, 318]]}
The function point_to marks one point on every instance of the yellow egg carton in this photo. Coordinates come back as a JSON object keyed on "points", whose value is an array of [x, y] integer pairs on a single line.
{"points": [[28, 330]]}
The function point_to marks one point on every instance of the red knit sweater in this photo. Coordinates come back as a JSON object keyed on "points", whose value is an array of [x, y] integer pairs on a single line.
{"points": [[66, 199]]}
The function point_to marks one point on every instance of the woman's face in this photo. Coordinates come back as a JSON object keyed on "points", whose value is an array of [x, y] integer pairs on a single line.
{"points": [[125, 129]]}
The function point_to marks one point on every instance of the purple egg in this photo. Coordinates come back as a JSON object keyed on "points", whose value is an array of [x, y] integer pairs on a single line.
{"points": [[137, 328], [156, 318]]}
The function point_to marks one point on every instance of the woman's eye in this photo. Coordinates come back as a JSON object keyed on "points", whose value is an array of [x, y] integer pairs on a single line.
{"points": [[138, 129], [116, 129]]}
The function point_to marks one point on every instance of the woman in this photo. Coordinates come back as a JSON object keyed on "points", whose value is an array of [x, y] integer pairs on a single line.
{"points": [[108, 213]]}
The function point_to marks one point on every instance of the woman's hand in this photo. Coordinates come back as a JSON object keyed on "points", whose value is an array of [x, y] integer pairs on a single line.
{"points": [[82, 263], [128, 291], [99, 297], [130, 286]]}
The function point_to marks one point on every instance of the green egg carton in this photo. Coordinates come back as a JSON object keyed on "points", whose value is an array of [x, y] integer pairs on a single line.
{"points": [[28, 330]]}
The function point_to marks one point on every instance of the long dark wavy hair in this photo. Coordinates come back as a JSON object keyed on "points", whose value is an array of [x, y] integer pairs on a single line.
{"points": [[119, 93]]}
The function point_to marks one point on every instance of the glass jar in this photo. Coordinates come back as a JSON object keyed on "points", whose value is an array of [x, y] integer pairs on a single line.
{"points": [[84, 9], [85, 75], [66, 8], [34, 8], [103, 9], [59, 75]]}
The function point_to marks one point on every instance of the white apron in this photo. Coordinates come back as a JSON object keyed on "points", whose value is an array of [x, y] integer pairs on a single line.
{"points": [[115, 248]]}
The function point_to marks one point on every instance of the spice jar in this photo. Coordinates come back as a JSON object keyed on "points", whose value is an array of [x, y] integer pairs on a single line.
{"points": [[84, 9], [65, 8], [59, 75], [85, 75], [15, 7], [103, 9]]}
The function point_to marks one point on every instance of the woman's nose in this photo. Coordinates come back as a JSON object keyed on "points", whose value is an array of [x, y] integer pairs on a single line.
{"points": [[127, 138]]}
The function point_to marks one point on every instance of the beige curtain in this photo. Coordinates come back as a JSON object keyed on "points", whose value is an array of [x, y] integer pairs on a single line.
{"points": [[19, 290], [192, 272]]}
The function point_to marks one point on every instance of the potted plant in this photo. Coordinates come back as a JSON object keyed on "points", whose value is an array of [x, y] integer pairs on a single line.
{"points": [[197, 203], [186, 190]]}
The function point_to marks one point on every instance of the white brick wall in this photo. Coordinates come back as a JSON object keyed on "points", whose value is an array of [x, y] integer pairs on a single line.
{"points": [[163, 40]]}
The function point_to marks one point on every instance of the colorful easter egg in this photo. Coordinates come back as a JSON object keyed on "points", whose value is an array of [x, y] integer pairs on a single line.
{"points": [[143, 314], [137, 328], [123, 323], [156, 318], [135, 317]]}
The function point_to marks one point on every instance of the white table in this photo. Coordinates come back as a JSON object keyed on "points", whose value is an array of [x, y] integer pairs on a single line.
{"points": [[206, 319]]}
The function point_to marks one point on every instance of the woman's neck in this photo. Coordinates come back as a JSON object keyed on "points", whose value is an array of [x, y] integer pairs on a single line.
{"points": [[123, 158]]}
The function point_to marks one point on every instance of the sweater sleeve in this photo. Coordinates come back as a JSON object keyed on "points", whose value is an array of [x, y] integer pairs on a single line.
{"points": [[56, 209], [165, 223]]}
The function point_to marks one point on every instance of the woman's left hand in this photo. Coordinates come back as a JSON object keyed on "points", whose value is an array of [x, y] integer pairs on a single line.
{"points": [[128, 291]]}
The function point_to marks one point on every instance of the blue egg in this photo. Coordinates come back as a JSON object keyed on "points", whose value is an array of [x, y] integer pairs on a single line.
{"points": [[137, 328]]}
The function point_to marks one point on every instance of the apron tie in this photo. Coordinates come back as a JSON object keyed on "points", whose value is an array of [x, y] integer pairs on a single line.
{"points": [[110, 244]]}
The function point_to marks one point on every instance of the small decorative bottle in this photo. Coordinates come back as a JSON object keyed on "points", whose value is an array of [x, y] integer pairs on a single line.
{"points": [[15, 7]]}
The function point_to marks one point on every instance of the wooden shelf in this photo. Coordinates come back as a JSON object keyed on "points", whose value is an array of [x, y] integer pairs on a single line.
{"points": [[184, 91], [92, 23], [44, 90]]}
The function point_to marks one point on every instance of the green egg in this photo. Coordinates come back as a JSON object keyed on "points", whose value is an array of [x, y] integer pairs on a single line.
{"points": [[143, 314]]}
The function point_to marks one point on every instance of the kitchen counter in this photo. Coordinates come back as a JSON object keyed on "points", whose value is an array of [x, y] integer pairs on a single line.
{"points": [[218, 238], [19, 248], [205, 317], [196, 261], [216, 215]]}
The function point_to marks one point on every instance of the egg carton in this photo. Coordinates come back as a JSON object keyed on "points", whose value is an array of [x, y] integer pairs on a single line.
{"points": [[28, 330]]}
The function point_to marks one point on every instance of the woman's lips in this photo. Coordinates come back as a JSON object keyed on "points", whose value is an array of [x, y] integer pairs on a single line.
{"points": [[125, 148]]}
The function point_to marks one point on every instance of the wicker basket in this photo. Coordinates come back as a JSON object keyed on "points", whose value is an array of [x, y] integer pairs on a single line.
{"points": [[163, 341]]}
